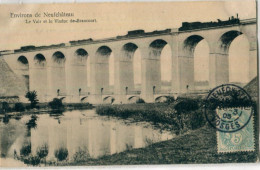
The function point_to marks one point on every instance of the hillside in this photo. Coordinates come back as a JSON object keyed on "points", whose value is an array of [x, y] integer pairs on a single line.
{"points": [[10, 83], [252, 88]]}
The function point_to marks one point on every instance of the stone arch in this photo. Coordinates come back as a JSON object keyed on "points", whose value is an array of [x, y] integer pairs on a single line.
{"points": [[190, 45], [124, 75], [57, 81], [226, 39], [186, 62], [219, 60], [161, 99], [108, 99], [23, 70], [103, 53], [84, 99], [58, 58], [129, 50], [151, 70], [76, 73], [101, 72], [81, 56], [23, 61], [62, 98], [156, 47], [40, 60], [38, 76], [225, 42], [133, 99]]}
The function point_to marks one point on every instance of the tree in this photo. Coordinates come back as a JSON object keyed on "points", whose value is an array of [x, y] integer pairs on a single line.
{"points": [[61, 154], [32, 97], [42, 151], [5, 107], [25, 150], [19, 107], [56, 104]]}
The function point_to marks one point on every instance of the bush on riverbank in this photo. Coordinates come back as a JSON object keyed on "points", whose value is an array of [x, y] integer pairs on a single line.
{"points": [[140, 100], [32, 160], [186, 105], [61, 154], [32, 97], [5, 107], [81, 155], [79, 106], [170, 100], [161, 114], [42, 151], [56, 104], [25, 150], [26, 107], [19, 107]]}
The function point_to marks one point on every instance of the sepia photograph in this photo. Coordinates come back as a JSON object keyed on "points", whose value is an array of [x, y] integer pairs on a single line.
{"points": [[129, 83]]}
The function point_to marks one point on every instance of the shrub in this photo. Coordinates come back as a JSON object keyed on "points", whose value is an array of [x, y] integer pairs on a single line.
{"points": [[81, 155], [56, 104], [32, 160], [61, 154], [197, 119], [105, 110], [42, 151], [80, 105], [163, 115], [140, 100], [25, 150], [170, 99], [5, 107], [27, 107], [186, 105], [19, 107], [6, 118], [32, 97]]}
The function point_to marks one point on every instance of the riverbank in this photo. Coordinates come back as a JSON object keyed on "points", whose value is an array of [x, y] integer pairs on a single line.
{"points": [[43, 108], [198, 146], [195, 141], [161, 115]]}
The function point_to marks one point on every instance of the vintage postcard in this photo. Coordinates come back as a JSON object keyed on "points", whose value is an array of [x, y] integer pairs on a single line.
{"points": [[129, 83]]}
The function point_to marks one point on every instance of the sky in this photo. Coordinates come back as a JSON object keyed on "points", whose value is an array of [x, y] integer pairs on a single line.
{"points": [[112, 19]]}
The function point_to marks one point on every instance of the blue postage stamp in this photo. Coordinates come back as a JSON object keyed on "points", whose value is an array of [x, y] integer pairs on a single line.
{"points": [[240, 140]]}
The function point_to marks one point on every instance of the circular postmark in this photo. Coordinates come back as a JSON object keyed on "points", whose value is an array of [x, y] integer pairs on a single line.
{"points": [[228, 108]]}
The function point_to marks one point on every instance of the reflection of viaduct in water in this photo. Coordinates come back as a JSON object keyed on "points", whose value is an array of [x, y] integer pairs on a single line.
{"points": [[61, 70], [96, 136]]}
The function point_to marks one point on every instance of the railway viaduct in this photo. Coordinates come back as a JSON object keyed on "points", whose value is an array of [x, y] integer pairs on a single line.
{"points": [[61, 70]]}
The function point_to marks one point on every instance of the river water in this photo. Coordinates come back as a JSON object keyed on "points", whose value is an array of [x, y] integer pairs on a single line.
{"points": [[74, 130]]}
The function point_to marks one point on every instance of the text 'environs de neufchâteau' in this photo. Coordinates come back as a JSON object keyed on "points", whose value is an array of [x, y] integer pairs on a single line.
{"points": [[44, 14]]}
